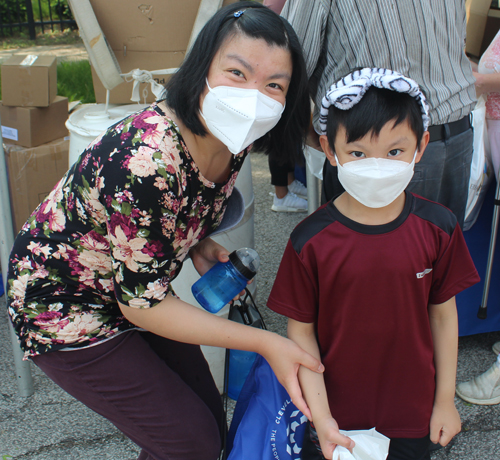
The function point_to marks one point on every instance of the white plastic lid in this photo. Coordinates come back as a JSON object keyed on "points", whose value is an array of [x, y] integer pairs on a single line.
{"points": [[93, 119]]}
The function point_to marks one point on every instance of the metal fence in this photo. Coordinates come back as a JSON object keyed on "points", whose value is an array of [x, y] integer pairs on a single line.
{"points": [[34, 16]]}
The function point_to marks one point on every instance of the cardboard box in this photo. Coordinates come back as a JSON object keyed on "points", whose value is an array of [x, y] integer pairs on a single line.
{"points": [[158, 25], [477, 13], [152, 36], [33, 173], [33, 126], [29, 80]]}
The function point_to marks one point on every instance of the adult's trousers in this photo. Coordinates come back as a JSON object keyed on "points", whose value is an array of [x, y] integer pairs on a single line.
{"points": [[158, 392]]}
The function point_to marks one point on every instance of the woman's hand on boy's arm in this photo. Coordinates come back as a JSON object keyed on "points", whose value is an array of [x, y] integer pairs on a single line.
{"points": [[286, 359], [445, 420], [314, 390]]}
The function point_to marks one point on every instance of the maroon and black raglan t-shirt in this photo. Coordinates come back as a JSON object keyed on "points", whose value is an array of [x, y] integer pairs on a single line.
{"points": [[367, 289]]}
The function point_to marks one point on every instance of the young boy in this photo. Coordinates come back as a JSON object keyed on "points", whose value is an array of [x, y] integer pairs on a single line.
{"points": [[368, 281]]}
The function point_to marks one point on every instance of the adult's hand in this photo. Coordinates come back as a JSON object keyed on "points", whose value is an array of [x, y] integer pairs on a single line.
{"points": [[206, 254], [285, 357]]}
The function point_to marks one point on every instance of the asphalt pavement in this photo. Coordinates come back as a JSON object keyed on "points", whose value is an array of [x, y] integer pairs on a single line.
{"points": [[51, 425], [73, 52]]}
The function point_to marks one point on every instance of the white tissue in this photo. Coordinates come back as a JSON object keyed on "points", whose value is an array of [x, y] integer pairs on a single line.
{"points": [[370, 445]]}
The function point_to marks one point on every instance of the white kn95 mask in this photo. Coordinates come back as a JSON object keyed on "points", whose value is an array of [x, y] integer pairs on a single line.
{"points": [[375, 182], [239, 116]]}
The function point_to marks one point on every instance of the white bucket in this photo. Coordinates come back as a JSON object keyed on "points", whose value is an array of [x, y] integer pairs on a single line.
{"points": [[90, 121]]}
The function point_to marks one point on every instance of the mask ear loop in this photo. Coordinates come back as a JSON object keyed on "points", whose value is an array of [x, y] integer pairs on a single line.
{"points": [[414, 157]]}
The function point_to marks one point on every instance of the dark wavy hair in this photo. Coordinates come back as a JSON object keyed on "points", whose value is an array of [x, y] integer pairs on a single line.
{"points": [[258, 22]]}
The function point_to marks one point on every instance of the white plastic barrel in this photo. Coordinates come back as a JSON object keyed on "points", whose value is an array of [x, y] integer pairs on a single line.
{"points": [[90, 121], [86, 123]]}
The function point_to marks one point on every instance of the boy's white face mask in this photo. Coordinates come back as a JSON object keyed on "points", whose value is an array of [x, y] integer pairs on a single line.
{"points": [[375, 182], [239, 116]]}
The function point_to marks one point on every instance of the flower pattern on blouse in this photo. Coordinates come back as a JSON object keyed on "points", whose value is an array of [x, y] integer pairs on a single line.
{"points": [[116, 227], [490, 63]]}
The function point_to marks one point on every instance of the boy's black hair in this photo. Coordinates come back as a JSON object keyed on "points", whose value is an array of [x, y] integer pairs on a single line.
{"points": [[187, 84], [376, 108]]}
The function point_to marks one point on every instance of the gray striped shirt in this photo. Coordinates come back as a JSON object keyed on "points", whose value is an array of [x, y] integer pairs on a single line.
{"points": [[423, 39]]}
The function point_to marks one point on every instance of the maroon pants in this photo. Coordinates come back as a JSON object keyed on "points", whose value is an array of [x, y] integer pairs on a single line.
{"points": [[158, 392]]}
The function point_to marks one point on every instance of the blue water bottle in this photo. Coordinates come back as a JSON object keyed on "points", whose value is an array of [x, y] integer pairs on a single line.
{"points": [[224, 281]]}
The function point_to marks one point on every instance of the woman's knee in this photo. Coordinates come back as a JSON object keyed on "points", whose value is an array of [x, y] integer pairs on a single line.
{"points": [[202, 442]]}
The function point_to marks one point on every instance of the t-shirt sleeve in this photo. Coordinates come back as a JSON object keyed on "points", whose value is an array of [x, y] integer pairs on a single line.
{"points": [[295, 291], [453, 270]]}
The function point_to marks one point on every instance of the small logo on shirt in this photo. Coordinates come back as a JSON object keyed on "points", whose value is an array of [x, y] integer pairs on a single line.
{"points": [[425, 272]]}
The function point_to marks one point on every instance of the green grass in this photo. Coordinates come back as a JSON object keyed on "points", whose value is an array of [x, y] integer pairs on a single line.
{"points": [[74, 81]]}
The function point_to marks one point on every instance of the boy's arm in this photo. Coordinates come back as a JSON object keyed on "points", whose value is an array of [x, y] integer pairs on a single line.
{"points": [[314, 391], [445, 420]]}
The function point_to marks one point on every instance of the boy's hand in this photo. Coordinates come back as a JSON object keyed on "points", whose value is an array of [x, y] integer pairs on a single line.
{"points": [[329, 436], [445, 423]]}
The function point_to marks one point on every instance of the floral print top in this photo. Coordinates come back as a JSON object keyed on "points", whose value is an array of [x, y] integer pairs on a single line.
{"points": [[117, 226], [490, 63]]}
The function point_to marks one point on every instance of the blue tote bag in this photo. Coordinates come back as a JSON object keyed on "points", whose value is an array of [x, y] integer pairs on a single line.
{"points": [[266, 425]]}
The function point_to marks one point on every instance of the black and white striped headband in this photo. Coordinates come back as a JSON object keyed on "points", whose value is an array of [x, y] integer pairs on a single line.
{"points": [[350, 90]]}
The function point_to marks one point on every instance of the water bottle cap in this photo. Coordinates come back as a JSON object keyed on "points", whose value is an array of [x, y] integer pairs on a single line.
{"points": [[246, 261]]}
